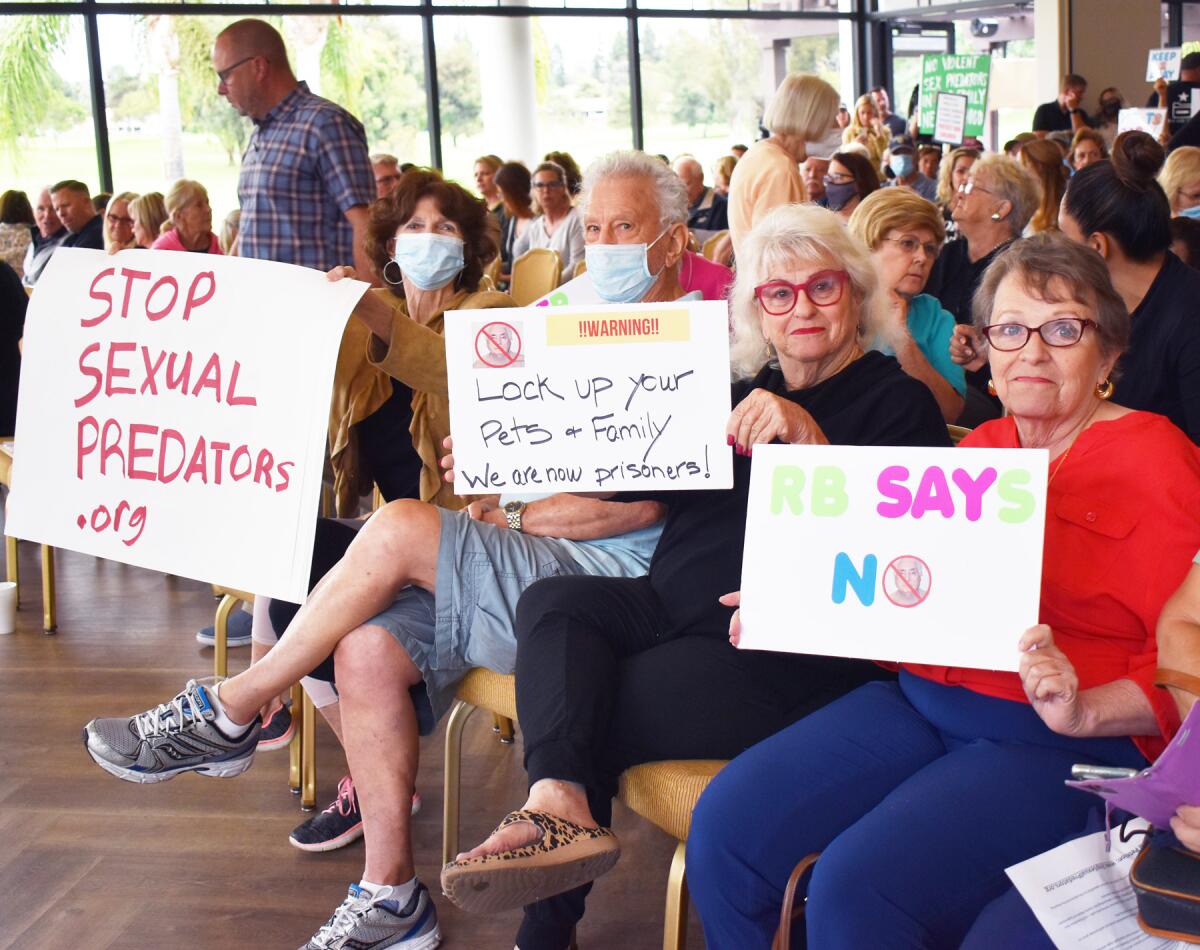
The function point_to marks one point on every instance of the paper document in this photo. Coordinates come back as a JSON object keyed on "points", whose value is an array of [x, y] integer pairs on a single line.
{"points": [[1082, 896]]}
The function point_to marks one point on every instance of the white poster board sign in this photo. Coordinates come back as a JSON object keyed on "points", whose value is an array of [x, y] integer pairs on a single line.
{"points": [[620, 398], [1195, 94], [950, 118], [574, 293], [1141, 120], [173, 412], [882, 553], [1163, 64]]}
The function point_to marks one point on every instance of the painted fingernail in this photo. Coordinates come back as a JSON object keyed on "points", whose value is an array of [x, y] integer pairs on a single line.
{"points": [[729, 440], [741, 450]]}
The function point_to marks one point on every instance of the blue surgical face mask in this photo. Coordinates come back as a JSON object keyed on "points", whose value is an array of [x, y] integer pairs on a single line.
{"points": [[901, 165], [430, 261], [1192, 212], [620, 272]]}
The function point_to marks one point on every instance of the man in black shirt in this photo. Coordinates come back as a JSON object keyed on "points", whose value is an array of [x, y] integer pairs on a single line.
{"points": [[1178, 101], [1064, 114], [73, 205], [896, 124]]}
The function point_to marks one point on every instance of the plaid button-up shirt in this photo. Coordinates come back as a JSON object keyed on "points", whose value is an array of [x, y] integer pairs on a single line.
{"points": [[305, 167]]}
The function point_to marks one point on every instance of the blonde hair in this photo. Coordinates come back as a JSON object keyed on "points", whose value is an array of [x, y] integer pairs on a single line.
{"points": [[183, 193], [1044, 159], [149, 212], [803, 105], [855, 127], [945, 188], [1011, 181], [724, 167], [894, 209], [1182, 166], [229, 232], [788, 234], [127, 197]]}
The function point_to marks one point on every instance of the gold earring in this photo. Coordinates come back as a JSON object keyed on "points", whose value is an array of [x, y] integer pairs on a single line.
{"points": [[1104, 390], [991, 388]]}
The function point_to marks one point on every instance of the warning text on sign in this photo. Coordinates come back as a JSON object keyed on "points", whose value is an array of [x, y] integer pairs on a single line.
{"points": [[590, 398]]}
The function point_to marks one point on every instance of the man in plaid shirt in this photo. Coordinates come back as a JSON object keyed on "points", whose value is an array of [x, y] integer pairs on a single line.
{"points": [[306, 179]]}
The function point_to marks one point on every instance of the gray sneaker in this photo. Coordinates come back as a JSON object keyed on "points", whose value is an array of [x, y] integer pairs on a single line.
{"points": [[366, 922], [175, 737]]}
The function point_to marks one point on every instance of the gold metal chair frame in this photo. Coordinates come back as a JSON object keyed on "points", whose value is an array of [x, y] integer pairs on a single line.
{"points": [[12, 565]]}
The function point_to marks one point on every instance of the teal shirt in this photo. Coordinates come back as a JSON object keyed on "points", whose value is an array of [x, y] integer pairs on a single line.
{"points": [[931, 328]]}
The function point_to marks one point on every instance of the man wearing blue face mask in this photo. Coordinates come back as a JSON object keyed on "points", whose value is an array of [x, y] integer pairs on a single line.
{"points": [[903, 165]]}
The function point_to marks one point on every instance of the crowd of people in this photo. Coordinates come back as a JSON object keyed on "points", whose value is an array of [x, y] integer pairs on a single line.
{"points": [[878, 290]]}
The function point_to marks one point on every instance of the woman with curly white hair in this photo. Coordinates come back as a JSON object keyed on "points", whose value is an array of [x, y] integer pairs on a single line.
{"points": [[612, 672]]}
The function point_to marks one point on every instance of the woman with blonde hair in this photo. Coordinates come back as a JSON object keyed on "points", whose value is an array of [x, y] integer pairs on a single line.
{"points": [[1044, 159], [118, 223], [802, 111], [149, 214], [868, 129], [1180, 179], [230, 228], [189, 220], [722, 173]]}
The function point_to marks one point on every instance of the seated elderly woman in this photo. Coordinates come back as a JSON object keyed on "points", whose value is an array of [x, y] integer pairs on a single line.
{"points": [[612, 672], [423, 594], [189, 220], [118, 223], [919, 793], [904, 233], [1180, 180], [149, 214]]}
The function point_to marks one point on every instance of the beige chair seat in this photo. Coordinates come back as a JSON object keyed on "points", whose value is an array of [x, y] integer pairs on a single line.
{"points": [[664, 793]]}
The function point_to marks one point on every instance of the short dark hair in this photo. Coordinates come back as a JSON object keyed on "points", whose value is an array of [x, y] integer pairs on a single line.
{"points": [[866, 179], [514, 181], [1042, 261], [570, 167], [1187, 232], [70, 184], [1190, 61], [15, 208], [1123, 199], [1073, 81], [480, 230]]}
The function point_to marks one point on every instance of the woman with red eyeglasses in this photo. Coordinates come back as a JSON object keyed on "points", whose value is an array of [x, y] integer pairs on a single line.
{"points": [[612, 672]]}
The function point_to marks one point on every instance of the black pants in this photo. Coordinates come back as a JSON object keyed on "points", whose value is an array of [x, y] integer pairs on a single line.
{"points": [[604, 684]]}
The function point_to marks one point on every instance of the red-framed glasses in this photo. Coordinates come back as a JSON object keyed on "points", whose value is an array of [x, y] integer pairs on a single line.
{"points": [[824, 289]]}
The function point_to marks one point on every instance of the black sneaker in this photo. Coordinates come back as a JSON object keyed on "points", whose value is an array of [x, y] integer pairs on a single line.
{"points": [[277, 731], [237, 631], [338, 825]]}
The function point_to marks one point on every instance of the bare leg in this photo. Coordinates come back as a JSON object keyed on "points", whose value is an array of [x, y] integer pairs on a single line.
{"points": [[374, 675], [332, 714], [561, 799], [396, 548]]}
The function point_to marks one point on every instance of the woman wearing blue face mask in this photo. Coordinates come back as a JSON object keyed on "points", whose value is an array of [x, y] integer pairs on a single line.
{"points": [[850, 178]]}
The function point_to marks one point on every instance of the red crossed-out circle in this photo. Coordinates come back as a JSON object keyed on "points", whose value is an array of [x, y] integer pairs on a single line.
{"points": [[903, 584], [488, 333]]}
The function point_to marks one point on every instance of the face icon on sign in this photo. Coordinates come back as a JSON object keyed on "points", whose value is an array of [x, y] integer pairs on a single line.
{"points": [[498, 345], [906, 582]]}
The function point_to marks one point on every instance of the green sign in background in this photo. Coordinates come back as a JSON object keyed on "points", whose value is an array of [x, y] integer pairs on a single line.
{"points": [[965, 75]]}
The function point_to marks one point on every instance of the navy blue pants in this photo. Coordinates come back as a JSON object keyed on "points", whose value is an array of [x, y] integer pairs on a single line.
{"points": [[917, 795]]}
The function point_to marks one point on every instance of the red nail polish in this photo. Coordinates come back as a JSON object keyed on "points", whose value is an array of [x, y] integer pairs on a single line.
{"points": [[729, 440]]}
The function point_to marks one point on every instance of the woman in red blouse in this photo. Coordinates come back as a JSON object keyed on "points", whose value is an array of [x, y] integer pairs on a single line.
{"points": [[919, 793]]}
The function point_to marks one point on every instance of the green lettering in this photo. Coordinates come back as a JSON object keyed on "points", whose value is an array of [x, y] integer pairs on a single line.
{"points": [[787, 484], [829, 492], [1008, 487]]}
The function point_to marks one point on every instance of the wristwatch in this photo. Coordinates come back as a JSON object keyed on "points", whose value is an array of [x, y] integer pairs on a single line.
{"points": [[513, 511]]}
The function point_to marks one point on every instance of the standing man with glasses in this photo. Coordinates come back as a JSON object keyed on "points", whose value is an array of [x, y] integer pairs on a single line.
{"points": [[558, 226], [306, 178]]}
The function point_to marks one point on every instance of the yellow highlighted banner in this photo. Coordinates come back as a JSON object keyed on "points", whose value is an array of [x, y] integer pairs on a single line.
{"points": [[643, 326]]}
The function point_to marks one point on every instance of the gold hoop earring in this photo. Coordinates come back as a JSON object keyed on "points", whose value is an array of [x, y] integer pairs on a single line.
{"points": [[991, 388], [384, 273], [1105, 389]]}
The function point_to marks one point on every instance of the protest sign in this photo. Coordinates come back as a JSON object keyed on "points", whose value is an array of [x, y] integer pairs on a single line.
{"points": [[575, 292], [1163, 64], [902, 554], [951, 118], [964, 74], [173, 412], [1141, 120], [592, 398]]}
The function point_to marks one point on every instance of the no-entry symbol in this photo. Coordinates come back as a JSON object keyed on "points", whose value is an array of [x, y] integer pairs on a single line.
{"points": [[498, 344], [907, 581]]}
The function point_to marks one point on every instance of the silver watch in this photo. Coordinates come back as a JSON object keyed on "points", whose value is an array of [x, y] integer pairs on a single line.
{"points": [[513, 511]]}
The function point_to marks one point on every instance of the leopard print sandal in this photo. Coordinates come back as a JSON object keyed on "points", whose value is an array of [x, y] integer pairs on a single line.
{"points": [[566, 856]]}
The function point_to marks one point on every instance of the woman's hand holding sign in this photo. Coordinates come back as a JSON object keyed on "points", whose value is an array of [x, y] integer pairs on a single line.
{"points": [[735, 622], [763, 417]]}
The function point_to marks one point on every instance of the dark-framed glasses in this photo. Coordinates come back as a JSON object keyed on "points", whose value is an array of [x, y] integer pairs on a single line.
{"points": [[779, 296], [1065, 331], [224, 74]]}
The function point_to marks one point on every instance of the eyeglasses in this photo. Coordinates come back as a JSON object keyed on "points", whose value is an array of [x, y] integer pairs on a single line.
{"points": [[224, 74], [547, 185], [910, 245], [1065, 331], [837, 178], [969, 186], [117, 219], [779, 296]]}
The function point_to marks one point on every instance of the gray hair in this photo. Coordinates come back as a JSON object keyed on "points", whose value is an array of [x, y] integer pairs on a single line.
{"points": [[383, 158], [1011, 181], [669, 192], [787, 235], [803, 105]]}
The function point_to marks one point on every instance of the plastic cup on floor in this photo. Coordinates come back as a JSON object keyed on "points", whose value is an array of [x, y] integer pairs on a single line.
{"points": [[8, 607]]}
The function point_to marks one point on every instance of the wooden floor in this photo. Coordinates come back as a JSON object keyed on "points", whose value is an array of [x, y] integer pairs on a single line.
{"points": [[89, 861]]}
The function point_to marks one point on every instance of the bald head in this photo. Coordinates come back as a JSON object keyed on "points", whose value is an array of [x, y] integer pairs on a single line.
{"points": [[252, 67], [691, 173]]}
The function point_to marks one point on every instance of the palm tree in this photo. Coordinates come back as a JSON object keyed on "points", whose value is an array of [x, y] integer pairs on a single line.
{"points": [[27, 78]]}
